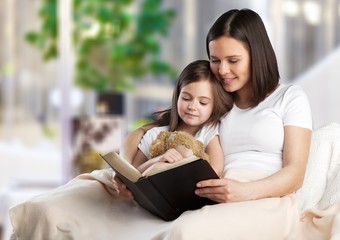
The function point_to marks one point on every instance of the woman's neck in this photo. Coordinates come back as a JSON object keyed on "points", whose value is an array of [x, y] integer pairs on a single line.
{"points": [[244, 97], [243, 103], [244, 100]]}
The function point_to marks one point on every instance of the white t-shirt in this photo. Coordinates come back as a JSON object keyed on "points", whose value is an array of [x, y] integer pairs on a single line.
{"points": [[205, 135], [253, 138]]}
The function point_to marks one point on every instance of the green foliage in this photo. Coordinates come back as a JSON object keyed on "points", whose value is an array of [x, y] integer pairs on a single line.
{"points": [[116, 41], [46, 38]]}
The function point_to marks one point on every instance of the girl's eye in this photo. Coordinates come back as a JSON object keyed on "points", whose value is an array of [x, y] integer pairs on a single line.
{"points": [[203, 103], [233, 61], [185, 98]]}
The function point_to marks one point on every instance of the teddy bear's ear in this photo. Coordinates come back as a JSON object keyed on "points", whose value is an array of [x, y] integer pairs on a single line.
{"points": [[158, 146], [163, 135], [200, 144], [199, 150]]}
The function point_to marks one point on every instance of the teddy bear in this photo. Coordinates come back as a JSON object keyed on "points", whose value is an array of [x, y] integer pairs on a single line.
{"points": [[177, 139]]}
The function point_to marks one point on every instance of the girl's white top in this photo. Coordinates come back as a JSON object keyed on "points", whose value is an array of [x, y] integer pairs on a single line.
{"points": [[205, 135]]}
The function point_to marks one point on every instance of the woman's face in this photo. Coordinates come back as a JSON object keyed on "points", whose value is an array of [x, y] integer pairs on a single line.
{"points": [[195, 103], [230, 62]]}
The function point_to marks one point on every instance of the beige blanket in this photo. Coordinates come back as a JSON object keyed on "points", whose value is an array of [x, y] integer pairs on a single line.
{"points": [[88, 208]]}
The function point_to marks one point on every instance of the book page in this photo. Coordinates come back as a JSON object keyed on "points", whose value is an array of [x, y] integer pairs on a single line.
{"points": [[163, 166], [122, 166]]}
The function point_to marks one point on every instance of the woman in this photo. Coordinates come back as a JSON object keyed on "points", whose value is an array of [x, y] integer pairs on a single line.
{"points": [[272, 122]]}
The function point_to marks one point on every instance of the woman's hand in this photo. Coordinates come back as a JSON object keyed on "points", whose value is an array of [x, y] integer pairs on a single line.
{"points": [[121, 188], [225, 190]]}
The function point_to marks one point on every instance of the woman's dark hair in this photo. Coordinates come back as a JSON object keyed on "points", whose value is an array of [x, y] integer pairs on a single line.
{"points": [[194, 72], [246, 26]]}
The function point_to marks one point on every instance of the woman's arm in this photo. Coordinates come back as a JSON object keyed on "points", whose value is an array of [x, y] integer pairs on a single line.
{"points": [[215, 152], [287, 180]]}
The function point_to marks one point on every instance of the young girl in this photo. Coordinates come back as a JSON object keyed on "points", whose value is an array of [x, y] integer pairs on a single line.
{"points": [[198, 103]]}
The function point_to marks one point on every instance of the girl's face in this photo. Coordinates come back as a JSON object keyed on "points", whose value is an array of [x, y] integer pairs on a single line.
{"points": [[230, 62], [195, 103]]}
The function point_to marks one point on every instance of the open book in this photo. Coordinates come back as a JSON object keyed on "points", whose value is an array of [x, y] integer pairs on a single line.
{"points": [[168, 191]]}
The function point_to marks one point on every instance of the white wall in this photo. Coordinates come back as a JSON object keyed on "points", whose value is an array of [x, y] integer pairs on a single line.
{"points": [[322, 85]]}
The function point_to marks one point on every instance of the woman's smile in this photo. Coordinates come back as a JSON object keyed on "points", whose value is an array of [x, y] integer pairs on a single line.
{"points": [[227, 81]]}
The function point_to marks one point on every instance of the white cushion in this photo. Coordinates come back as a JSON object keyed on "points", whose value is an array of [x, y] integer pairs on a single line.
{"points": [[321, 185]]}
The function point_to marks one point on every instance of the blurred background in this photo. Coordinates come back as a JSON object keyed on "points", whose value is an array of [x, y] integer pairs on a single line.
{"points": [[77, 76]]}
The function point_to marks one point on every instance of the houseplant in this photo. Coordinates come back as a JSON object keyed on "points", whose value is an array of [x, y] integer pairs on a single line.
{"points": [[116, 42]]}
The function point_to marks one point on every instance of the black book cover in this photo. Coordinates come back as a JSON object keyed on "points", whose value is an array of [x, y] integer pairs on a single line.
{"points": [[168, 193]]}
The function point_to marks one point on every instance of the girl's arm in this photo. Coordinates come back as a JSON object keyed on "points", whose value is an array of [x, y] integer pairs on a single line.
{"points": [[139, 159], [129, 147], [128, 150], [215, 152], [287, 180]]}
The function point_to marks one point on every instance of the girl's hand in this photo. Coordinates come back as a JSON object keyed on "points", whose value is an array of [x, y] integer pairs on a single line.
{"points": [[171, 156], [184, 151], [225, 190], [121, 188]]}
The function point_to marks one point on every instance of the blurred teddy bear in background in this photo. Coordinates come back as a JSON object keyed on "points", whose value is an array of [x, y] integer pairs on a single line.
{"points": [[91, 136]]}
